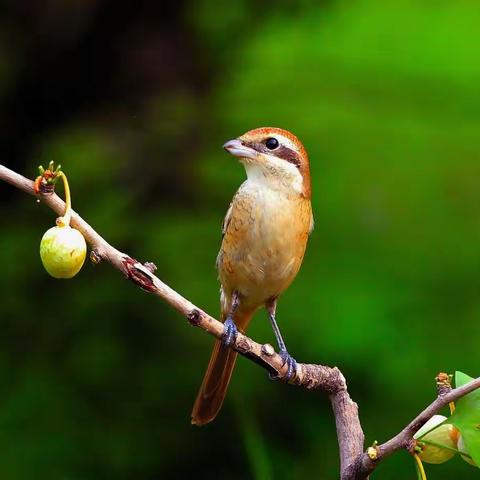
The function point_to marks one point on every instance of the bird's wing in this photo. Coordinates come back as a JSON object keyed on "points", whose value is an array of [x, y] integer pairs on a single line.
{"points": [[225, 225], [236, 227], [227, 219]]}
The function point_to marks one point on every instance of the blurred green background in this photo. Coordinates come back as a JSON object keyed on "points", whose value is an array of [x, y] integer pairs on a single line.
{"points": [[135, 99]]}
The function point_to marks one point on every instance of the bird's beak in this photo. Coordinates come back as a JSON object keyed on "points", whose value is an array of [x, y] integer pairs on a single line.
{"points": [[239, 149]]}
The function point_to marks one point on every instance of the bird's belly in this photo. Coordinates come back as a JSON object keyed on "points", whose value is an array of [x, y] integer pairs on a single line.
{"points": [[268, 268], [262, 263]]}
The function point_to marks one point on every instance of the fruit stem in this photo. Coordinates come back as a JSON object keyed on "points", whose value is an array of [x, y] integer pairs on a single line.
{"points": [[452, 407], [64, 221], [420, 468]]}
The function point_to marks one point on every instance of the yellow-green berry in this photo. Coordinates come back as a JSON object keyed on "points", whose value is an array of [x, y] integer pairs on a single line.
{"points": [[63, 250], [445, 434]]}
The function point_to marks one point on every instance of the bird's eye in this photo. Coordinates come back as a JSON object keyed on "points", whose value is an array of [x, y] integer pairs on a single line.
{"points": [[271, 143]]}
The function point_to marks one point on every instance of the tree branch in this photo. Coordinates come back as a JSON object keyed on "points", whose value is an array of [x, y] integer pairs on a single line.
{"points": [[355, 465], [364, 464]]}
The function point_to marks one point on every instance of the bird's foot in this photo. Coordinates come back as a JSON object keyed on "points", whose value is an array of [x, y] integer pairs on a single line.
{"points": [[230, 332], [290, 362]]}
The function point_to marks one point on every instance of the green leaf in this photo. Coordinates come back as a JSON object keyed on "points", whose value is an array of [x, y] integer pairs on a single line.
{"points": [[466, 417]]}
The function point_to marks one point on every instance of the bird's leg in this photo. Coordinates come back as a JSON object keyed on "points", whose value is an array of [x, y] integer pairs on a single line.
{"points": [[230, 330], [271, 307]]}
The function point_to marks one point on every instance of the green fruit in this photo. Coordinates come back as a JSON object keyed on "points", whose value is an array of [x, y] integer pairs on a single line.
{"points": [[462, 447], [63, 250], [444, 434]]}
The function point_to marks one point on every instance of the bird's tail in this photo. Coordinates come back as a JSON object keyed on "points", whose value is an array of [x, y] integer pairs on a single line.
{"points": [[217, 377]]}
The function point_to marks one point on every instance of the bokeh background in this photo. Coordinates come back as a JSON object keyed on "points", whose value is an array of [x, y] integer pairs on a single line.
{"points": [[135, 99]]}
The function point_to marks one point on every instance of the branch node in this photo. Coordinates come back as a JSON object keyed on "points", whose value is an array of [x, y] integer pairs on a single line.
{"points": [[193, 317], [444, 384], [372, 452], [46, 189], [242, 345], [411, 446], [268, 350], [95, 257], [150, 266], [137, 275]]}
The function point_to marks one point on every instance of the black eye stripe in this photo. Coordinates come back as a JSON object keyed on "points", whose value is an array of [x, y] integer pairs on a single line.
{"points": [[288, 154], [282, 152]]}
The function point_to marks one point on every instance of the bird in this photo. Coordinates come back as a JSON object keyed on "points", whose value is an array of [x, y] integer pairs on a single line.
{"points": [[264, 237]]}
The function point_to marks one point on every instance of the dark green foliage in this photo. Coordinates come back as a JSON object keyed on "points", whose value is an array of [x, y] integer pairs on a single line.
{"points": [[97, 378]]}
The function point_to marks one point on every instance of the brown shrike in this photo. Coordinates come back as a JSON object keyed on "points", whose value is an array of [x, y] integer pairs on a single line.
{"points": [[265, 234]]}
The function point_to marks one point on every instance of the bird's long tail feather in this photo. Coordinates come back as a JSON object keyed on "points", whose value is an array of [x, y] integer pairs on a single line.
{"points": [[217, 377]]}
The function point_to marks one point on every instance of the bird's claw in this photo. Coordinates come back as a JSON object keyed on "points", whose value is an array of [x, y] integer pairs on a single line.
{"points": [[230, 332], [291, 364]]}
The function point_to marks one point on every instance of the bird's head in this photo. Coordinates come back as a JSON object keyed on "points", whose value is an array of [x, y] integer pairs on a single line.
{"points": [[274, 157]]}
